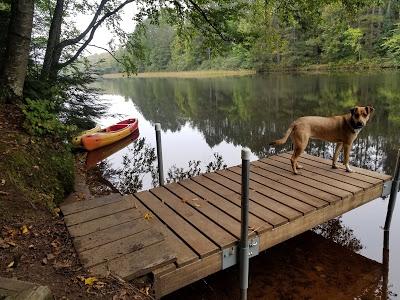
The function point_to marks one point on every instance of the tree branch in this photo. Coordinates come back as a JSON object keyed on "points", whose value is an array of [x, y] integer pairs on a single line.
{"points": [[75, 40], [92, 32], [109, 52], [205, 17]]}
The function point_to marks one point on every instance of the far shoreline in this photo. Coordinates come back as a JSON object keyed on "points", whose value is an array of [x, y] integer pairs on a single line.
{"points": [[312, 69], [183, 74]]}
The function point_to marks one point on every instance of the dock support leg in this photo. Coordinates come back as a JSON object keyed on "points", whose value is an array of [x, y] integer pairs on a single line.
{"points": [[385, 265], [159, 154], [393, 193], [244, 243]]}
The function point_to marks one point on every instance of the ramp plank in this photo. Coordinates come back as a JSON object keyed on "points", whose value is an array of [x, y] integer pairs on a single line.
{"points": [[194, 238], [218, 235]]}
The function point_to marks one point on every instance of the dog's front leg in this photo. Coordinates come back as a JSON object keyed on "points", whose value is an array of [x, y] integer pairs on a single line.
{"points": [[338, 148], [346, 153]]}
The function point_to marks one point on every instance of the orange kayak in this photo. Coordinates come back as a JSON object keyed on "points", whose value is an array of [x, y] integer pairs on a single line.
{"points": [[110, 134]]}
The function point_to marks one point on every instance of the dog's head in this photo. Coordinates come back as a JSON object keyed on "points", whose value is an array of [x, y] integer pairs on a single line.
{"points": [[360, 116]]}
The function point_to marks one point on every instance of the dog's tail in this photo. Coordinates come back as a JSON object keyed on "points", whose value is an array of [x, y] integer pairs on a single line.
{"points": [[284, 138]]}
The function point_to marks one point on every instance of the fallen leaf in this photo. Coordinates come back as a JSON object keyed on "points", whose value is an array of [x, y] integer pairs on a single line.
{"points": [[11, 264], [31, 246], [90, 280], [12, 243], [44, 261], [148, 216], [62, 264], [50, 256], [99, 284], [145, 290], [24, 229], [2, 182], [196, 205]]}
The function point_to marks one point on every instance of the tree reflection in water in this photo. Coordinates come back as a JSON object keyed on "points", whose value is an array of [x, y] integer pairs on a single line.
{"points": [[335, 230], [139, 164], [194, 169]]}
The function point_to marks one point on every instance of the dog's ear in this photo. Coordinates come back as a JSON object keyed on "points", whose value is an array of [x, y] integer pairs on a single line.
{"points": [[353, 111], [369, 109]]}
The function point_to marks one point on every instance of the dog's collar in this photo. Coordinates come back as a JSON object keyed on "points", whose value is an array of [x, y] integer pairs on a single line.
{"points": [[354, 127]]}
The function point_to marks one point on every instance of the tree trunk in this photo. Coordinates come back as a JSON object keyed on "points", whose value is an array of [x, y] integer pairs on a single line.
{"points": [[18, 43], [50, 57]]}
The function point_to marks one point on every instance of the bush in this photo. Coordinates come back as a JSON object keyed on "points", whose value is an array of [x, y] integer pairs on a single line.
{"points": [[41, 119]]}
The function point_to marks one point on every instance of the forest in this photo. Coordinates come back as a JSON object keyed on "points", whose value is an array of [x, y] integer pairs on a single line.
{"points": [[273, 35]]}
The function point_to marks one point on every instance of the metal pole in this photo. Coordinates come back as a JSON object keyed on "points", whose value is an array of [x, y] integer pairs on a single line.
{"points": [[244, 243], [393, 193], [385, 265], [159, 154]]}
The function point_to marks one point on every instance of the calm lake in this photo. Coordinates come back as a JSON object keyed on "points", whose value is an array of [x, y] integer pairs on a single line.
{"points": [[204, 117]]}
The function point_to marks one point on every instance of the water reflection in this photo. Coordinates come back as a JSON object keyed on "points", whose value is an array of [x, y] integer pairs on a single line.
{"points": [[139, 163], [98, 155], [251, 111], [335, 231]]}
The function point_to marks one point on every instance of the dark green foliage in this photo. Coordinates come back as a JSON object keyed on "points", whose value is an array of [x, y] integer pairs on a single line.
{"points": [[269, 35], [41, 119]]}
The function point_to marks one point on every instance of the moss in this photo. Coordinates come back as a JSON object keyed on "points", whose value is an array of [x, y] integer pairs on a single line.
{"points": [[39, 170]]}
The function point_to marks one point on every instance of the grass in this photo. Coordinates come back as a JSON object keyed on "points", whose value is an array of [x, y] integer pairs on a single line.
{"points": [[185, 74]]}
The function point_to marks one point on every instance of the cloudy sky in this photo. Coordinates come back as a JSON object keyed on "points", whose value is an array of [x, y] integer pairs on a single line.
{"points": [[103, 35]]}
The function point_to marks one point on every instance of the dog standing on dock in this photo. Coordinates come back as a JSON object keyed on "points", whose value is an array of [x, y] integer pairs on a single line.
{"points": [[341, 130]]}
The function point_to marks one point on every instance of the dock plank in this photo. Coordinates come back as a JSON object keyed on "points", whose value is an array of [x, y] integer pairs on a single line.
{"points": [[230, 208], [257, 171], [139, 263], [111, 234], [98, 212], [276, 189], [306, 178], [254, 208], [104, 222], [120, 247], [286, 187], [202, 205], [191, 235], [295, 204], [283, 164], [184, 254], [78, 206], [328, 171], [368, 173], [214, 232], [279, 208]]}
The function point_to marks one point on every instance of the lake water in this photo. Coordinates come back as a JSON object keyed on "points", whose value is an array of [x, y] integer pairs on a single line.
{"points": [[200, 117]]}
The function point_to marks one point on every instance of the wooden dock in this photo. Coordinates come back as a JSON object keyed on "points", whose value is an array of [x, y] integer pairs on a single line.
{"points": [[185, 231]]}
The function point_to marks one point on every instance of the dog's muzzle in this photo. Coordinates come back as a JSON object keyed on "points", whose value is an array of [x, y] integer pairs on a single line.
{"points": [[356, 125]]}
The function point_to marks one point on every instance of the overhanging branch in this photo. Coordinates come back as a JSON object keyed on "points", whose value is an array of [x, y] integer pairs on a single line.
{"points": [[92, 32]]}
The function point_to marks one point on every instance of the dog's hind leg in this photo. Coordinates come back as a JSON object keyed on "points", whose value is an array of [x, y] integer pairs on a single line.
{"points": [[338, 148], [300, 144], [346, 160]]}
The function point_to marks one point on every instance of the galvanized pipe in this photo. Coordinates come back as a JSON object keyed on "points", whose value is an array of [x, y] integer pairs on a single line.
{"points": [[393, 193], [244, 243], [159, 154], [385, 265]]}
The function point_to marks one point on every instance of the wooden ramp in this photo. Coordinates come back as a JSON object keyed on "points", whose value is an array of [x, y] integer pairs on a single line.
{"points": [[185, 231]]}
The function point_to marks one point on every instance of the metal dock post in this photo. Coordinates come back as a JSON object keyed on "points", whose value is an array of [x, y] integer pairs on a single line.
{"points": [[159, 154], [244, 243]]}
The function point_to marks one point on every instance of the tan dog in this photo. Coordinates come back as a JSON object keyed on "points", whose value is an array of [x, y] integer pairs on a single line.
{"points": [[341, 130]]}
